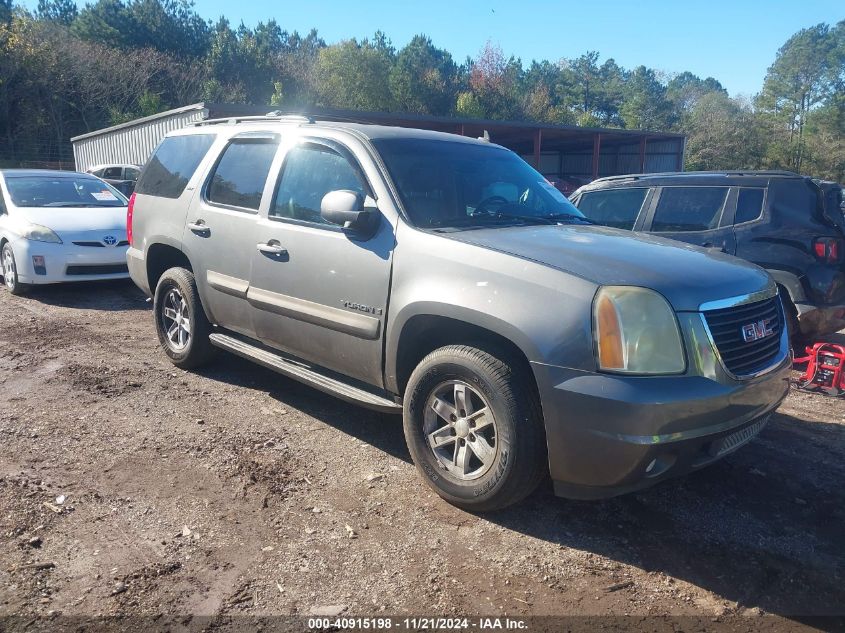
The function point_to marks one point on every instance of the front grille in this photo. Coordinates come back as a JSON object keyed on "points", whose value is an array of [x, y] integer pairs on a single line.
{"points": [[100, 244], [98, 269], [733, 441], [741, 357]]}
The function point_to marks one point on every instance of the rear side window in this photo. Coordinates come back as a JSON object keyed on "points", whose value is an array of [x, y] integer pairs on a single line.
{"points": [[239, 177], [613, 207], [309, 173], [689, 208], [749, 205], [131, 173], [174, 162]]}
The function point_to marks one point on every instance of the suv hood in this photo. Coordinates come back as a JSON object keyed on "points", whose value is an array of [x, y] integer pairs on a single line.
{"points": [[686, 275]]}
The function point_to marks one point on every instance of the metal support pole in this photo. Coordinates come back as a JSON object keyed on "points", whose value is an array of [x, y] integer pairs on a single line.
{"points": [[596, 154]]}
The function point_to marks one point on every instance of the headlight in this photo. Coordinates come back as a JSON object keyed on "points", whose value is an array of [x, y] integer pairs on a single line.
{"points": [[41, 234], [636, 332]]}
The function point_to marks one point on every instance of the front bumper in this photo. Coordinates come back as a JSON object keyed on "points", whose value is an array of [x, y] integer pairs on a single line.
{"points": [[611, 434], [67, 262]]}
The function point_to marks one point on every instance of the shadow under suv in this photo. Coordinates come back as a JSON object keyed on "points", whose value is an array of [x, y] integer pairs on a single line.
{"points": [[442, 278], [778, 220]]}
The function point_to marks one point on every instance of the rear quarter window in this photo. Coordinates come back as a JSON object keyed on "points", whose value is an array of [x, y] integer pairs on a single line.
{"points": [[618, 208], [689, 209], [239, 177], [174, 162], [749, 205]]}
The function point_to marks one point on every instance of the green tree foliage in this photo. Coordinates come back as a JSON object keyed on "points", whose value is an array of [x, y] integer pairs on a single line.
{"points": [[59, 11], [494, 81], [423, 79], [354, 75], [722, 133], [645, 106], [805, 74], [66, 70], [5, 11], [170, 26]]}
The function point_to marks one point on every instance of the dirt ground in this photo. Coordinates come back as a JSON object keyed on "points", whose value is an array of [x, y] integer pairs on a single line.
{"points": [[131, 488]]}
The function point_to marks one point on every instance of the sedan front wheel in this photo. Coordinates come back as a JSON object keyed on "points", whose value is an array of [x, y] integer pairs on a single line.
{"points": [[10, 271]]}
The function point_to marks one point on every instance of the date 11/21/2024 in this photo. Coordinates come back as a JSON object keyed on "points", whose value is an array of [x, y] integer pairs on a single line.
{"points": [[417, 623]]}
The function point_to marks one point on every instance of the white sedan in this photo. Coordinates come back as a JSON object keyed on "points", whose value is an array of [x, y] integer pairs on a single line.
{"points": [[58, 226]]}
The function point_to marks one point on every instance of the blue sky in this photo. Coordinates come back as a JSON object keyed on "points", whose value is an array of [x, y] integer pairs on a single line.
{"points": [[735, 42]]}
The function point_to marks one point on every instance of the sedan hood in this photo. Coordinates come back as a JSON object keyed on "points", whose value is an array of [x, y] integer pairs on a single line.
{"points": [[686, 275], [74, 220]]}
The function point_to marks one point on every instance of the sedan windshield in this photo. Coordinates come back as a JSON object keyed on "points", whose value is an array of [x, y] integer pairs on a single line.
{"points": [[62, 191], [456, 184]]}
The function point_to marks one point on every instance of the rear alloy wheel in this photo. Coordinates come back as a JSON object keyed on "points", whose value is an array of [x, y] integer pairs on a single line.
{"points": [[474, 428], [10, 271], [181, 324]]}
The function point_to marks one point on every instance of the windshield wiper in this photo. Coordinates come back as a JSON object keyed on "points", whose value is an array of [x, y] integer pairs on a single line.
{"points": [[516, 216], [569, 216], [80, 205]]}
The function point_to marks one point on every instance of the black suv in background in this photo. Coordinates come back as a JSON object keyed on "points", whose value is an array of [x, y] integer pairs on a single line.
{"points": [[777, 220]]}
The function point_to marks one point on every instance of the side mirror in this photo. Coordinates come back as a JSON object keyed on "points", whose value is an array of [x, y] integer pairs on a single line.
{"points": [[346, 209]]}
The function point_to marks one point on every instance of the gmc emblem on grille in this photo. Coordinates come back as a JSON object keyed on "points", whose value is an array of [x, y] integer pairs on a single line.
{"points": [[755, 331]]}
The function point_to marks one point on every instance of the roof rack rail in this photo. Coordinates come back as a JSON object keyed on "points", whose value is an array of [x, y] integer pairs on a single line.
{"points": [[724, 172], [270, 116]]}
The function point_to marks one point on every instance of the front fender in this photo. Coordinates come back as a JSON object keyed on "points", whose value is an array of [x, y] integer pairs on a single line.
{"points": [[545, 312]]}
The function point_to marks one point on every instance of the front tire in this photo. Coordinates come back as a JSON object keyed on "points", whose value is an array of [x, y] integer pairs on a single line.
{"points": [[181, 324], [474, 428], [10, 271]]}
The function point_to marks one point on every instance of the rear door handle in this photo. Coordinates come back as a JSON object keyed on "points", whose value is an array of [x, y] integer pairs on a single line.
{"points": [[272, 248], [199, 228]]}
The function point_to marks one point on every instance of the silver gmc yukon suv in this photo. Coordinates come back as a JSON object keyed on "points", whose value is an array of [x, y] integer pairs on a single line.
{"points": [[442, 278]]}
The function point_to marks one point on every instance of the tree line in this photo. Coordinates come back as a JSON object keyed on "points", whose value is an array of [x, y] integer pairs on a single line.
{"points": [[65, 71]]}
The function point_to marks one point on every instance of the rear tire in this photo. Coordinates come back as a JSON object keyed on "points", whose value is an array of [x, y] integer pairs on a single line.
{"points": [[474, 428], [181, 324], [10, 271]]}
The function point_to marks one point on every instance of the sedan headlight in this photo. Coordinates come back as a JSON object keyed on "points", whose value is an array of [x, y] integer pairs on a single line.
{"points": [[41, 234], [636, 332]]}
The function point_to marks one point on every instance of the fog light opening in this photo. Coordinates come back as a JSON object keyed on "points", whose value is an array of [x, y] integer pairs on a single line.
{"points": [[39, 265]]}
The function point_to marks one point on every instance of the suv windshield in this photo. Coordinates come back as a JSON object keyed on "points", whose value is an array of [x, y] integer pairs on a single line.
{"points": [[62, 191], [454, 184]]}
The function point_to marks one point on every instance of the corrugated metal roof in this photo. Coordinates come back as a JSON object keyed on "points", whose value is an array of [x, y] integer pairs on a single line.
{"points": [[130, 143], [142, 121]]}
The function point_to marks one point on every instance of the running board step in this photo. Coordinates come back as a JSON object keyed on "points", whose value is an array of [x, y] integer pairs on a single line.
{"points": [[304, 374]]}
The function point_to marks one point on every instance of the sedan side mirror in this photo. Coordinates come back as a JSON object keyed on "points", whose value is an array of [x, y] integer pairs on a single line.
{"points": [[346, 209]]}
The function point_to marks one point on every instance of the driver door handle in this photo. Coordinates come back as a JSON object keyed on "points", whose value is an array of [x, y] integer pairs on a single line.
{"points": [[199, 228], [272, 248]]}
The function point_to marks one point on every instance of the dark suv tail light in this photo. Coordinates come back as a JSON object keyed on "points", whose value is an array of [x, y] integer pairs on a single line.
{"points": [[129, 210], [828, 249]]}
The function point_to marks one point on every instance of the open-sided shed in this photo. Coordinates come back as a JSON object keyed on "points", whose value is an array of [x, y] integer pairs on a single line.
{"points": [[557, 151]]}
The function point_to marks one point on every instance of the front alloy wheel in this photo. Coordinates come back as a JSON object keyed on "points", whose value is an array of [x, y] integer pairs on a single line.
{"points": [[473, 426], [461, 430]]}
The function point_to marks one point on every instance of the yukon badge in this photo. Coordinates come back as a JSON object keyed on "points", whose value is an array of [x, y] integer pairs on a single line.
{"points": [[360, 307], [755, 331]]}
